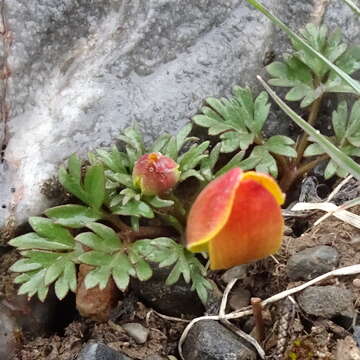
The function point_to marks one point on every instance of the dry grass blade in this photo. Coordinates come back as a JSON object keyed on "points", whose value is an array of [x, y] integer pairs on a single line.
{"points": [[331, 209]]}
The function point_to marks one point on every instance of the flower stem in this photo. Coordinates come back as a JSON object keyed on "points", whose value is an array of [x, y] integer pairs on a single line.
{"points": [[303, 142]]}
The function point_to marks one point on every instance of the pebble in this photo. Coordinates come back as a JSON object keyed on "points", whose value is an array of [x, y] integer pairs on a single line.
{"points": [[356, 334], [239, 298], [356, 282], [209, 340], [98, 351], [138, 332], [236, 272], [176, 300], [312, 262], [327, 301]]}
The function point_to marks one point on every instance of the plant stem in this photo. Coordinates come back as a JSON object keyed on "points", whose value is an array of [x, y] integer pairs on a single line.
{"points": [[117, 222], [293, 172], [303, 142], [147, 232], [259, 321], [310, 165]]}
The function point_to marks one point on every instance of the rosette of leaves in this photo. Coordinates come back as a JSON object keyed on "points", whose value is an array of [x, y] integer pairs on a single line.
{"points": [[49, 255], [346, 125], [239, 122], [51, 252], [307, 75]]}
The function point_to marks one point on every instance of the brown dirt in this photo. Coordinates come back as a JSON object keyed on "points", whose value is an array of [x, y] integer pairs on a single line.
{"points": [[304, 337]]}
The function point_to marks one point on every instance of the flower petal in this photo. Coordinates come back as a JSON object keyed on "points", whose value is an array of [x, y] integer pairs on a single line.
{"points": [[268, 182], [253, 230], [211, 210]]}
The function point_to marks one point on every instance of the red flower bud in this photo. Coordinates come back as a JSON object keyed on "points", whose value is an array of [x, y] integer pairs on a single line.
{"points": [[236, 219], [155, 174]]}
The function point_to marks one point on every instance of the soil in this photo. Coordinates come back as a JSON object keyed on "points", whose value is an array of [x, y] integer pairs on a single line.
{"points": [[291, 334]]}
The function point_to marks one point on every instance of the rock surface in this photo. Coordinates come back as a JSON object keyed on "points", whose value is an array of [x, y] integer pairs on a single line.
{"points": [[175, 300], [327, 301], [100, 352], [138, 332], [209, 340], [79, 74], [312, 262]]}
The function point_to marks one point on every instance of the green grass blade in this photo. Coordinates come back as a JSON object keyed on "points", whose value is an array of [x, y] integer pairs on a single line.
{"points": [[338, 156], [351, 82], [352, 6]]}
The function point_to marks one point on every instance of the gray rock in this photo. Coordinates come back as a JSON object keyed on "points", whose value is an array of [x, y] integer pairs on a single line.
{"points": [[356, 335], [176, 300], [312, 262], [236, 272], [80, 74], [209, 340], [8, 329], [156, 357], [100, 352], [138, 332], [327, 301], [239, 298]]}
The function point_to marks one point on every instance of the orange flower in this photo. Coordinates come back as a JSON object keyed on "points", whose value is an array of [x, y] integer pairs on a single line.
{"points": [[236, 219], [155, 174]]}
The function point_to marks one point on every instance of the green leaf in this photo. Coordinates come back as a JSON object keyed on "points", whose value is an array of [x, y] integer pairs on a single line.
{"points": [[24, 265], [192, 158], [73, 216], [121, 271], [230, 141], [314, 150], [61, 287], [281, 145], [34, 285], [191, 173], [95, 258], [234, 162], [46, 228], [74, 166], [174, 275], [182, 136], [171, 148], [109, 237], [261, 111], [158, 203], [34, 241], [98, 277], [342, 74], [54, 271], [94, 185], [122, 179], [354, 120], [160, 143], [70, 275], [340, 158], [330, 169], [339, 120], [134, 208], [143, 270]]}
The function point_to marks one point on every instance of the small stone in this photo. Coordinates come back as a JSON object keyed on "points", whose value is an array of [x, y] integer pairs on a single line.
{"points": [[95, 303], [346, 349], [239, 298], [236, 272], [138, 332], [312, 262], [356, 334], [175, 300], [356, 283], [100, 352], [327, 301], [209, 340]]}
